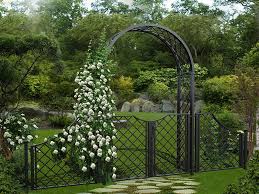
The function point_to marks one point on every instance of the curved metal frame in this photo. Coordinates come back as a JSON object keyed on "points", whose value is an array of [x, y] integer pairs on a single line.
{"points": [[179, 49], [185, 82]]}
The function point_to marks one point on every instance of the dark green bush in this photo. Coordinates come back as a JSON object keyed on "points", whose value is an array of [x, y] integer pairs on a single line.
{"points": [[249, 183], [220, 90], [231, 120], [60, 120], [158, 91], [8, 182]]}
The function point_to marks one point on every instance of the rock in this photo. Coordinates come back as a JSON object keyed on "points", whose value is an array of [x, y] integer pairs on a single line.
{"points": [[105, 190], [191, 183], [33, 112], [147, 187], [135, 108], [167, 106], [148, 191], [137, 104], [164, 184], [125, 107], [185, 191], [117, 187], [148, 106], [156, 108]]}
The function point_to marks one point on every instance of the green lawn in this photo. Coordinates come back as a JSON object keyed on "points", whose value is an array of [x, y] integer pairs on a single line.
{"points": [[213, 182]]}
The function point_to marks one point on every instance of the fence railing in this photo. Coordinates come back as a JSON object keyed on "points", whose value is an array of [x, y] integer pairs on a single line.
{"points": [[149, 148]]}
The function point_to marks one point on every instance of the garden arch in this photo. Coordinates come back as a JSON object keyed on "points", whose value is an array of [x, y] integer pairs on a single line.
{"points": [[185, 86], [184, 60]]}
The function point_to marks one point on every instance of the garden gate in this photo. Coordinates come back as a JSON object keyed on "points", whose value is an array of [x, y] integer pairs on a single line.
{"points": [[176, 143]]}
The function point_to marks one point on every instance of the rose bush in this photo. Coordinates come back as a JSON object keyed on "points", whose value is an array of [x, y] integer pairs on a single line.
{"points": [[91, 135], [14, 130]]}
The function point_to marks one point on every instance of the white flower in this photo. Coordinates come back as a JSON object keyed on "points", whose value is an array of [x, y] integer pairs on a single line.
{"points": [[83, 140], [29, 137], [107, 159], [84, 169], [63, 149], [114, 169], [6, 134], [82, 158], [69, 138], [65, 133], [55, 152], [25, 126], [84, 149], [91, 154], [20, 141], [52, 143], [12, 143], [114, 154], [95, 147], [114, 148], [114, 176], [113, 137], [77, 143], [92, 166], [99, 154], [38, 166], [36, 136], [62, 140], [45, 139], [35, 126]]}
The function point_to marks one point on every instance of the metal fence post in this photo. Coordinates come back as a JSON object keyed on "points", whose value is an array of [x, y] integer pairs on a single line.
{"points": [[151, 126], [26, 165], [197, 142], [32, 167], [241, 149], [187, 144], [245, 148]]}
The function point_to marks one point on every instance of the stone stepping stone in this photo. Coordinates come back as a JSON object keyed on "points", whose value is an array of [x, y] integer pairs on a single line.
{"points": [[117, 187], [191, 183], [156, 179], [130, 183], [152, 182], [106, 190], [174, 177], [164, 184], [182, 187], [185, 191], [148, 191], [179, 182], [147, 187]]}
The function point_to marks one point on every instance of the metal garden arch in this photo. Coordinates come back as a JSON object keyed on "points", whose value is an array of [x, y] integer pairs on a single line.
{"points": [[185, 78]]}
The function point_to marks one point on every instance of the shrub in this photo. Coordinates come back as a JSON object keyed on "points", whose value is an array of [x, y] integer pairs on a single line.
{"points": [[36, 86], [220, 90], [60, 120], [231, 120], [9, 185], [248, 184], [158, 91], [123, 87]]}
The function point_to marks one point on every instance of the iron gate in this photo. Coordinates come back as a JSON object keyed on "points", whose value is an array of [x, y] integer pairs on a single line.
{"points": [[151, 148]]}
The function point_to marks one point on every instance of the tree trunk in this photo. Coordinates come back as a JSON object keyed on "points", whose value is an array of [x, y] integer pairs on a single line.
{"points": [[4, 148]]}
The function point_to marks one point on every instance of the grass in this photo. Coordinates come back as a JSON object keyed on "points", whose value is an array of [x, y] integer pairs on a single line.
{"points": [[214, 182]]}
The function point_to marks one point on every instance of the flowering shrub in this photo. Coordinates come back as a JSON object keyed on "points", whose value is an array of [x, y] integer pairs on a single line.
{"points": [[15, 129], [90, 136]]}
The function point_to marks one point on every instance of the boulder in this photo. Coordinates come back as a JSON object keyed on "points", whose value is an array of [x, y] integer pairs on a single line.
{"points": [[125, 107], [138, 102], [156, 108], [135, 107], [167, 106], [148, 106]]}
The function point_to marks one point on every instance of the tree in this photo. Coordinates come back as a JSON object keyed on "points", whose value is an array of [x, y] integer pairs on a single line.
{"points": [[110, 7], [195, 7], [19, 54], [61, 15], [149, 10]]}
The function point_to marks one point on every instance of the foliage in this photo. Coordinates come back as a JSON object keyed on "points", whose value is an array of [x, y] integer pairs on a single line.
{"points": [[168, 76], [60, 121], [9, 185], [248, 184], [123, 87], [158, 91], [91, 135], [15, 129], [36, 86], [251, 58], [220, 90]]}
